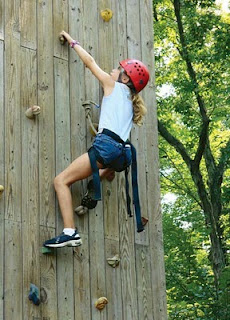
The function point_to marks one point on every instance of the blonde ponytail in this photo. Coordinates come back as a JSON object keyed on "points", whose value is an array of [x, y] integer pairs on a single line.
{"points": [[139, 109]]}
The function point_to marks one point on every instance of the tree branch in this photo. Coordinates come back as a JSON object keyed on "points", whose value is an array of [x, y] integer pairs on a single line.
{"points": [[224, 161], [175, 143], [185, 56], [186, 190], [202, 142]]}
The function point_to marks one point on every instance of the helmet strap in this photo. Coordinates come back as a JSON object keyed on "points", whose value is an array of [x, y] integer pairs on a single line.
{"points": [[131, 87], [119, 78]]}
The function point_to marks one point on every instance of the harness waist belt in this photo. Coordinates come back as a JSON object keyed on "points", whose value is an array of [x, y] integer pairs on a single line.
{"points": [[113, 135]]}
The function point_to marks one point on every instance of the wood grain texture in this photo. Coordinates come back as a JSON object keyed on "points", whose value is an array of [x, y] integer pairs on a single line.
{"points": [[144, 285], [46, 123], [60, 22], [48, 282], [2, 179], [77, 96], [13, 294], [2, 7], [82, 280], [13, 150], [153, 185], [28, 24], [30, 161], [113, 282], [63, 159]]}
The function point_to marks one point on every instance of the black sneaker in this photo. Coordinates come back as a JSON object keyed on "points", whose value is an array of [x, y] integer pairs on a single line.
{"points": [[64, 240]]}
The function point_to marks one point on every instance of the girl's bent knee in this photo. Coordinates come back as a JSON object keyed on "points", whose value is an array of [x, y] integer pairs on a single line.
{"points": [[58, 182]]}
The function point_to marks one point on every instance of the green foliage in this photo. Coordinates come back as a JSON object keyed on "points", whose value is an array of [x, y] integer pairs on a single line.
{"points": [[191, 287], [191, 292]]}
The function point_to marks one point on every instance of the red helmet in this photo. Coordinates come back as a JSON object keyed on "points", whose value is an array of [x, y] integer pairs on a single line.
{"points": [[137, 72]]}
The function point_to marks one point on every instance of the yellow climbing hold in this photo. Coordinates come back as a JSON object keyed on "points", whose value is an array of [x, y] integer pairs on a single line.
{"points": [[1, 190], [101, 302], [106, 14]]}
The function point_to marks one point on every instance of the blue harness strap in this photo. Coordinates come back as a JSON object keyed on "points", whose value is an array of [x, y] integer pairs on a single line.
{"points": [[135, 190], [96, 178], [97, 184]]}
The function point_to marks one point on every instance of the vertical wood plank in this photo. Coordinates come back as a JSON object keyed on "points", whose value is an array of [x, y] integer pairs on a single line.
{"points": [[96, 229], [110, 193], [77, 96], [46, 121], [144, 284], [13, 241], [82, 280], [127, 253], [13, 267], [2, 179], [2, 5], [127, 227], [28, 24], [1, 265], [12, 115], [153, 184], [30, 203], [63, 158], [48, 289], [113, 282], [78, 147], [46, 155], [138, 134], [121, 53], [60, 22]]}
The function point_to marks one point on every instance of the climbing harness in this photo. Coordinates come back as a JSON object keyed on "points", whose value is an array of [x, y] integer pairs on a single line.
{"points": [[89, 201], [119, 164]]}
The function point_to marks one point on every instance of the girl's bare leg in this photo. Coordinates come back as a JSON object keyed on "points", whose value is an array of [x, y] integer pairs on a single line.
{"points": [[79, 169], [107, 173]]}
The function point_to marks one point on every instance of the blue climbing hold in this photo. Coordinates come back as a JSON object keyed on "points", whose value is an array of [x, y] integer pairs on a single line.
{"points": [[34, 294]]}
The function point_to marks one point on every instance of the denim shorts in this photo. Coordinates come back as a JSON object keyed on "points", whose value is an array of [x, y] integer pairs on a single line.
{"points": [[112, 154]]}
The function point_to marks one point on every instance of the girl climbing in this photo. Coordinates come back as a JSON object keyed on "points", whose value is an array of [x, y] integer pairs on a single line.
{"points": [[121, 107]]}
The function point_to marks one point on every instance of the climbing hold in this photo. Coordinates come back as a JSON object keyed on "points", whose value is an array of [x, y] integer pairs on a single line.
{"points": [[1, 190], [62, 39], [114, 261], [46, 250], [101, 302], [144, 221], [32, 111], [34, 294], [81, 210], [106, 14]]}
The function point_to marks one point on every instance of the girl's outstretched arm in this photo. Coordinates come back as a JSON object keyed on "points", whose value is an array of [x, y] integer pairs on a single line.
{"points": [[106, 81]]}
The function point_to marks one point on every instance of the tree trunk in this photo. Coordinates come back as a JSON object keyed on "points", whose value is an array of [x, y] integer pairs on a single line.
{"points": [[212, 211]]}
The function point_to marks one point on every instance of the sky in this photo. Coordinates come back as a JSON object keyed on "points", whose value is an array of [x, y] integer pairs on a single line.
{"points": [[224, 4]]}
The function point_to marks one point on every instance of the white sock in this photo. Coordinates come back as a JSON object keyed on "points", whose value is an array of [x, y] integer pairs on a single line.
{"points": [[69, 231]]}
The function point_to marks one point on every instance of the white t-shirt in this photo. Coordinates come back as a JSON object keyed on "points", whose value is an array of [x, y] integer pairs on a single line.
{"points": [[117, 111]]}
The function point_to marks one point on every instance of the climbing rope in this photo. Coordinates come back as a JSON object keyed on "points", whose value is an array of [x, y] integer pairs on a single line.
{"points": [[88, 108]]}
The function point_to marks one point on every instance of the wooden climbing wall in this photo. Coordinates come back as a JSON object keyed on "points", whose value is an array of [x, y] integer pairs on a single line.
{"points": [[36, 70]]}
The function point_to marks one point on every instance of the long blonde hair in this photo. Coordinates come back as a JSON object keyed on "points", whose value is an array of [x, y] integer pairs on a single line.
{"points": [[139, 109]]}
